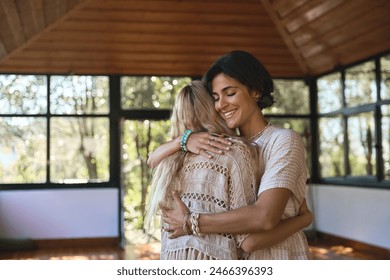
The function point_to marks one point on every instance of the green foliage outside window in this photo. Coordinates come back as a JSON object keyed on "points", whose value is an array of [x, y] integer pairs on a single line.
{"points": [[79, 146], [143, 136]]}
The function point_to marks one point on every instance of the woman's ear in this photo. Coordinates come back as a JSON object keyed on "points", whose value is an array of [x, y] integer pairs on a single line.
{"points": [[256, 95]]}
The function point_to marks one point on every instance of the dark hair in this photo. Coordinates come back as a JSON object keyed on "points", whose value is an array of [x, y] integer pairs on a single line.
{"points": [[246, 69]]}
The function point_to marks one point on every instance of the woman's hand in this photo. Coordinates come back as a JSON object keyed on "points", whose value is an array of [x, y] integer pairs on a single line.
{"points": [[206, 144], [175, 218]]}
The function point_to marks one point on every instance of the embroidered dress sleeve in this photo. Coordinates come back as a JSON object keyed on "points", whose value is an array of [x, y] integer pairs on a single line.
{"points": [[285, 165]]}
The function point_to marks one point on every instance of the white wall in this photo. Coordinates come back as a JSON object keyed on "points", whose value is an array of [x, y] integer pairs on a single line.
{"points": [[59, 214], [360, 214], [354, 213]]}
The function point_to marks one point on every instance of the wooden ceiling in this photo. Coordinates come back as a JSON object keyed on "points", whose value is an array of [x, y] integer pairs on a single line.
{"points": [[293, 38]]}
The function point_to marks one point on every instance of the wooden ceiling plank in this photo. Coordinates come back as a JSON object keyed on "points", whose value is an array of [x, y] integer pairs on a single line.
{"points": [[149, 47], [39, 14], [340, 17], [375, 41], [70, 4], [185, 69], [197, 39], [11, 29], [31, 14], [163, 28], [54, 9], [311, 12], [353, 31], [32, 39], [146, 63], [286, 38], [167, 17], [284, 7], [55, 55], [3, 50], [245, 7]]}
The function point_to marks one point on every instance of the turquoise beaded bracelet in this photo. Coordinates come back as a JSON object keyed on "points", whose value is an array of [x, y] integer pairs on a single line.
{"points": [[184, 138]]}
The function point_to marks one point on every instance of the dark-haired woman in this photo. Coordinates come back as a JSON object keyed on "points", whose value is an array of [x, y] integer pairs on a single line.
{"points": [[241, 88]]}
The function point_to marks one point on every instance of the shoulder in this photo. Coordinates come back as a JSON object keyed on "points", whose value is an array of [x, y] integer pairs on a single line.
{"points": [[278, 133], [241, 151], [281, 144], [280, 136]]}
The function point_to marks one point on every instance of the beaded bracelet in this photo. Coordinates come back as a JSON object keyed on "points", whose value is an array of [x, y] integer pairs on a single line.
{"points": [[186, 230], [183, 141], [195, 224]]}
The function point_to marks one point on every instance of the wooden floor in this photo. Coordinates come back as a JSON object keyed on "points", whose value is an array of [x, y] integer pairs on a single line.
{"points": [[321, 248]]}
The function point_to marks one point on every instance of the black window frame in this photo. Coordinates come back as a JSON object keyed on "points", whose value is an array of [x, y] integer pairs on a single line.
{"points": [[376, 181]]}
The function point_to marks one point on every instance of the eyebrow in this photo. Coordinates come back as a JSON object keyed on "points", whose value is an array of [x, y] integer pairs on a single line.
{"points": [[226, 88]]}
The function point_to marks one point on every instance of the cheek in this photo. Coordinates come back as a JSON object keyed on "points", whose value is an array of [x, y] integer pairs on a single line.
{"points": [[216, 106]]}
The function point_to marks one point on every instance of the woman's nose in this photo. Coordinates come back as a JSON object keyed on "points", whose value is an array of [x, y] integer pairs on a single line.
{"points": [[221, 103]]}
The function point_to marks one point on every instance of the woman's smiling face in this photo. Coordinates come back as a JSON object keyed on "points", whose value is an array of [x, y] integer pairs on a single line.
{"points": [[233, 101]]}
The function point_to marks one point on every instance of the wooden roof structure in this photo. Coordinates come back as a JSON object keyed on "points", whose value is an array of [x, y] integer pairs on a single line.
{"points": [[293, 38]]}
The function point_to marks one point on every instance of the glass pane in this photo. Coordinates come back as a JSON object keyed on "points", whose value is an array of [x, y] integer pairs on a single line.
{"points": [[385, 77], [79, 150], [21, 94], [360, 84], [302, 127], [331, 152], [139, 138], [361, 138], [329, 93], [79, 95], [386, 140], [22, 150], [291, 97], [150, 92]]}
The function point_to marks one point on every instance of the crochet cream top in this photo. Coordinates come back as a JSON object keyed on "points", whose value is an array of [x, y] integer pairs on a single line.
{"points": [[215, 185]]}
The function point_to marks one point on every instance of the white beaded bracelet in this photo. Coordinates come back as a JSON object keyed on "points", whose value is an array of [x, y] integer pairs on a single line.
{"points": [[195, 224]]}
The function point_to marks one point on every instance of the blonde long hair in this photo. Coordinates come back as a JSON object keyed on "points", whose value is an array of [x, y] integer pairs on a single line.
{"points": [[193, 109]]}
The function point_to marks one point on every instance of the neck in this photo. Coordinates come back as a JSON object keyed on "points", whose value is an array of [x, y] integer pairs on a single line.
{"points": [[254, 127]]}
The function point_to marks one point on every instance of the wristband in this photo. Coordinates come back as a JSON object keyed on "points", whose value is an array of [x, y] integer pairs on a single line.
{"points": [[183, 141]]}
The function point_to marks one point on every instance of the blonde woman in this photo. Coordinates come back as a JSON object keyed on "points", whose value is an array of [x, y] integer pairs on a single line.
{"points": [[209, 184]]}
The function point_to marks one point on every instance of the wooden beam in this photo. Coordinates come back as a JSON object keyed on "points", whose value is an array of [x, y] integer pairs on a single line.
{"points": [[286, 37]]}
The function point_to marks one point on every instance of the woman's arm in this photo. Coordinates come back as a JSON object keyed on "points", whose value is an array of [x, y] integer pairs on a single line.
{"points": [[264, 214], [285, 229], [166, 149], [199, 141], [284, 170]]}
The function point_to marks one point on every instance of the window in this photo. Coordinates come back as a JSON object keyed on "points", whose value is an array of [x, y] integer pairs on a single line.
{"points": [[54, 129], [354, 124], [292, 110], [385, 127], [329, 93], [361, 143], [360, 85], [331, 150], [150, 92], [385, 77], [146, 103]]}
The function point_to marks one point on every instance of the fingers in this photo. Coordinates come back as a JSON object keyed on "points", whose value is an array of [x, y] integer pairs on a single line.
{"points": [[173, 232], [212, 146], [207, 144], [176, 233], [182, 208], [218, 142]]}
